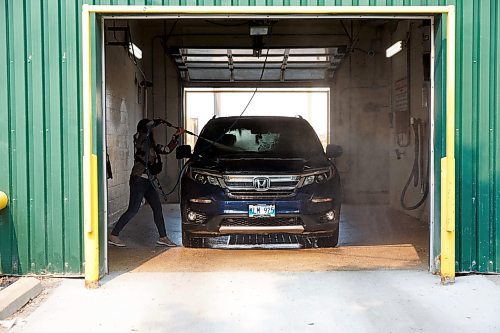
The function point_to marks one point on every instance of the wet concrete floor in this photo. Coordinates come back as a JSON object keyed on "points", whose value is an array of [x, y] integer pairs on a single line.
{"points": [[371, 237]]}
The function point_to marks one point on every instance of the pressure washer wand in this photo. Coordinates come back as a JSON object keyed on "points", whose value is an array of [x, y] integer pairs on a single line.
{"points": [[191, 133], [178, 127]]}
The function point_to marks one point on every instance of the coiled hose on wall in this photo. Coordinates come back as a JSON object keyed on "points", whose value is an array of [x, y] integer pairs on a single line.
{"points": [[417, 172]]}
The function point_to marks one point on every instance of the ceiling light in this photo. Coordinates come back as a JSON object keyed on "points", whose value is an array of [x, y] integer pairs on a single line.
{"points": [[135, 51], [394, 49], [259, 30]]}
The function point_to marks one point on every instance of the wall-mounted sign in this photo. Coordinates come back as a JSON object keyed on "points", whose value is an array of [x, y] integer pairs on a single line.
{"points": [[400, 95]]}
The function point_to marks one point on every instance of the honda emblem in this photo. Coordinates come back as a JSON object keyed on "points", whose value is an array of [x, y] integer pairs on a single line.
{"points": [[261, 183]]}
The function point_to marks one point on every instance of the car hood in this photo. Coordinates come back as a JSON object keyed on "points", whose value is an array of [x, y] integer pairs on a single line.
{"points": [[253, 165]]}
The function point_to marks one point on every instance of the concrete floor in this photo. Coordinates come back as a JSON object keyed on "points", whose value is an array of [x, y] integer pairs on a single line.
{"points": [[371, 237], [152, 289], [335, 301]]}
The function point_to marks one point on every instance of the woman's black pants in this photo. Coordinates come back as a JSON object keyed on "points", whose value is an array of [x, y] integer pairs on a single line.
{"points": [[141, 188]]}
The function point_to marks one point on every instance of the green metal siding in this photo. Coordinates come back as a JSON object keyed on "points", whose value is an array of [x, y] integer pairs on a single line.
{"points": [[40, 137], [478, 141], [41, 129]]}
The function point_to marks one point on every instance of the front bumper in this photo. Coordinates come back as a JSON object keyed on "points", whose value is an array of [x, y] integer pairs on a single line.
{"points": [[293, 216], [219, 214]]}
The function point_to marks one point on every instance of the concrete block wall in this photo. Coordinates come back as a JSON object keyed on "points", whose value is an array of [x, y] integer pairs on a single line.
{"points": [[123, 110]]}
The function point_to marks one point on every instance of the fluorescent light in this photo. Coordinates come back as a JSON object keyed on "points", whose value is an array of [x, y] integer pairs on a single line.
{"points": [[394, 49], [135, 50], [259, 30]]}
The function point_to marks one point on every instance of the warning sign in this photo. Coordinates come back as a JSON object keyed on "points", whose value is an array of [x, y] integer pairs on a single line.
{"points": [[400, 95]]}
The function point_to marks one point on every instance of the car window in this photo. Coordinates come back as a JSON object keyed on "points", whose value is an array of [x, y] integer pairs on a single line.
{"points": [[272, 137]]}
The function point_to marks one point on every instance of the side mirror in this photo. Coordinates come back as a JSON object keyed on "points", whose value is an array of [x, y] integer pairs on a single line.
{"points": [[183, 151], [333, 151]]}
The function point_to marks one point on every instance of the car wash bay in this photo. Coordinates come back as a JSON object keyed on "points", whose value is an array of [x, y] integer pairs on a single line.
{"points": [[378, 110]]}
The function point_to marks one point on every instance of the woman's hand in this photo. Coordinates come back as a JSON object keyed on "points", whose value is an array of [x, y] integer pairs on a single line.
{"points": [[179, 132]]}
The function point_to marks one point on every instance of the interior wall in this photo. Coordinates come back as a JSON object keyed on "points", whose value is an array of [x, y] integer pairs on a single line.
{"points": [[123, 110], [164, 97], [360, 104], [363, 119], [419, 108]]}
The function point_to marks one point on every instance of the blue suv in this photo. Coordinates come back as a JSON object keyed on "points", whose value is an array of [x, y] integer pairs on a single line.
{"points": [[260, 175]]}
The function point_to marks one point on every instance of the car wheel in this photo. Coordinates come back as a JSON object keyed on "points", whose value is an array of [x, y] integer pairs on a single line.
{"points": [[330, 241], [193, 242]]}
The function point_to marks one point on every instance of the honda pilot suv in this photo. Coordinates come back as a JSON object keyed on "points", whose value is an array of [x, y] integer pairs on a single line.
{"points": [[260, 175]]}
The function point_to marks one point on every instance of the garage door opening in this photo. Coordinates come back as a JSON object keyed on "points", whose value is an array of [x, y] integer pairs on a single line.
{"points": [[202, 104], [379, 109]]}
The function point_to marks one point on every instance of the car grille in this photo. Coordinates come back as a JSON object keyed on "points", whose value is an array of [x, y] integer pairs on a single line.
{"points": [[273, 186], [249, 195], [261, 222], [270, 240]]}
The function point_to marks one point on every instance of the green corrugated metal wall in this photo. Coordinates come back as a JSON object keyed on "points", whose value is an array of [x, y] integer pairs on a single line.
{"points": [[40, 137], [41, 129], [478, 140]]}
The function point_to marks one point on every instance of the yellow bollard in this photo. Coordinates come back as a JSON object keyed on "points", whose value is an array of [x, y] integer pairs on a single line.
{"points": [[4, 200]]}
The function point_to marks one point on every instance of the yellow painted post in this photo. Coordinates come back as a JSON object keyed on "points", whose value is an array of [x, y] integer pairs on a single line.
{"points": [[448, 162], [92, 235], [90, 189], [4, 200]]}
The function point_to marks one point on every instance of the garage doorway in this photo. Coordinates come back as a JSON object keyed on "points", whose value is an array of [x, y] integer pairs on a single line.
{"points": [[394, 120], [202, 104]]}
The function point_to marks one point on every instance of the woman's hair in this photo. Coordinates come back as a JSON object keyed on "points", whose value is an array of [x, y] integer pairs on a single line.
{"points": [[143, 128], [141, 125]]}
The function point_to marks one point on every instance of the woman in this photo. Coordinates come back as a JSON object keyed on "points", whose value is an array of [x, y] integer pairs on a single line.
{"points": [[147, 164]]}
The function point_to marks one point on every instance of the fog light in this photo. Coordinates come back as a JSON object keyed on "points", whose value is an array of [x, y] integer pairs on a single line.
{"points": [[330, 216], [192, 216]]}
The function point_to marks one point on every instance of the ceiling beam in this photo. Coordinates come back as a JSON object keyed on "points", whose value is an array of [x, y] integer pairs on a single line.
{"points": [[245, 42]]}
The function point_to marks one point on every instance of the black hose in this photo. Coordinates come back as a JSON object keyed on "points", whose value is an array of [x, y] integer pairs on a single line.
{"points": [[159, 189], [157, 185], [416, 171], [416, 159]]}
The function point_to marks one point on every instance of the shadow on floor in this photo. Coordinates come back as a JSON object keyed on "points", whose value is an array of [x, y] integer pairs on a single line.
{"points": [[140, 235]]}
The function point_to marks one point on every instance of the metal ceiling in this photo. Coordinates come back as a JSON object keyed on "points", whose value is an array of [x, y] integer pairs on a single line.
{"points": [[226, 51]]}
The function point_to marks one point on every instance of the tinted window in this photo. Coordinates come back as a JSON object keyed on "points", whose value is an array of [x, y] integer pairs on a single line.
{"points": [[259, 137]]}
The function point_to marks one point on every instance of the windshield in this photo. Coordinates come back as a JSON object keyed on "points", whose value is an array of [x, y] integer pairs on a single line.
{"points": [[260, 138]]}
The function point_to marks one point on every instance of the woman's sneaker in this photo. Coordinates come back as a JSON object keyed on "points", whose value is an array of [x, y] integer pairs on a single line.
{"points": [[165, 241], [116, 241]]}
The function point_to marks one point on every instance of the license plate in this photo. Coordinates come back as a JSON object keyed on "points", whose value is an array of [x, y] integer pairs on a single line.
{"points": [[261, 211]]}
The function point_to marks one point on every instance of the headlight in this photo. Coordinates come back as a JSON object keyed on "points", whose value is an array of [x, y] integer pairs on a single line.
{"points": [[200, 178], [213, 180], [309, 180], [204, 177], [319, 176]]}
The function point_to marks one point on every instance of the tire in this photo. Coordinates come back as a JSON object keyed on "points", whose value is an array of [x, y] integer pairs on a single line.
{"points": [[330, 241], [192, 242]]}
